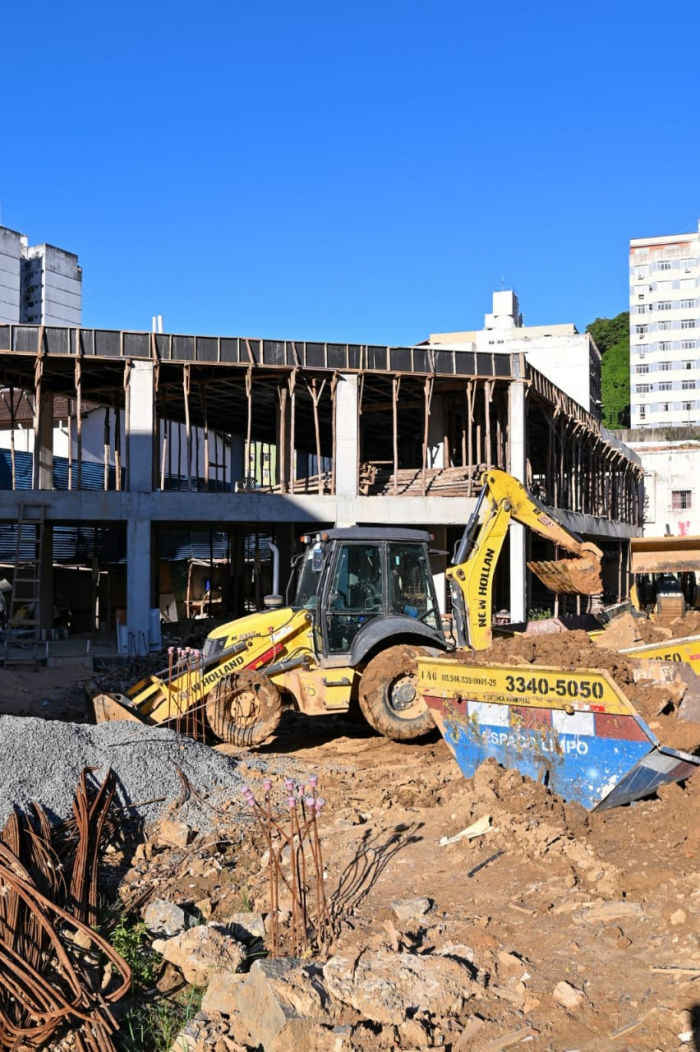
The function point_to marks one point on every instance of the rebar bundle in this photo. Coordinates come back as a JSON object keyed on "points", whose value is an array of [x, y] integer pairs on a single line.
{"points": [[294, 835], [52, 977]]}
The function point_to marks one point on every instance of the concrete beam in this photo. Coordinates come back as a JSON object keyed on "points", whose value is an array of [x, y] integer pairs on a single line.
{"points": [[224, 508]]}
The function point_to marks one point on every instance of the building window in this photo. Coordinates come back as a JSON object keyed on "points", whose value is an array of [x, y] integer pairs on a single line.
{"points": [[687, 406], [641, 308], [665, 386], [681, 499], [665, 264], [665, 325], [642, 412], [687, 304], [664, 346], [664, 305], [665, 407], [642, 271], [687, 323], [665, 367], [641, 329], [688, 365], [643, 388], [687, 345], [687, 263], [688, 385], [643, 368]]}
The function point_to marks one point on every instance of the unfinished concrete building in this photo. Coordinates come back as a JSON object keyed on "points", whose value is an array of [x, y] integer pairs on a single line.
{"points": [[355, 434]]}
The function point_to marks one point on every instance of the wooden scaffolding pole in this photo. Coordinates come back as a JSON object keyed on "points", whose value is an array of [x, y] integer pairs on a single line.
{"points": [[188, 429], [395, 388]]}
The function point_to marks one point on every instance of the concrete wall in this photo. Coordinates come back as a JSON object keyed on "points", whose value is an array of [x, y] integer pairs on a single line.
{"points": [[671, 487]]}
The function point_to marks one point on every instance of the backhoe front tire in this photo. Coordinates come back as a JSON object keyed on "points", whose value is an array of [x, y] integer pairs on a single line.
{"points": [[389, 696], [244, 709]]}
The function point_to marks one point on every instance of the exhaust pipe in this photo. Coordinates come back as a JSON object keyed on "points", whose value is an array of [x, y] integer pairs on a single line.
{"points": [[274, 601]]}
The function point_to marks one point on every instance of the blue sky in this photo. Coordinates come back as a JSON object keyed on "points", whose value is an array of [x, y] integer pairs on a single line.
{"points": [[349, 171]]}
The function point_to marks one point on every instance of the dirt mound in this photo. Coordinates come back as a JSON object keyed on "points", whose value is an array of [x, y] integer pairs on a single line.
{"points": [[571, 650], [630, 631], [655, 702]]}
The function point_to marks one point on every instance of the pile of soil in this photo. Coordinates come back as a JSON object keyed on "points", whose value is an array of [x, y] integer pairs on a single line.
{"points": [[656, 702], [629, 630]]}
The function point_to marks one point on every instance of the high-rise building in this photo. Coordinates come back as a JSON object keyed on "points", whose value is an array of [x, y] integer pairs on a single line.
{"points": [[39, 284], [665, 330]]}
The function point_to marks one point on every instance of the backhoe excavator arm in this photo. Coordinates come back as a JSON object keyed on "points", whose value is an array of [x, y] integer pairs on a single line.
{"points": [[471, 577]]}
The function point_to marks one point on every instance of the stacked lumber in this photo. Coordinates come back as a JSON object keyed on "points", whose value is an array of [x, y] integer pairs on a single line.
{"points": [[438, 482]]}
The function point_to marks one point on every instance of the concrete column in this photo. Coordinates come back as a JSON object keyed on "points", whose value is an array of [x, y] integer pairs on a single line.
{"points": [[284, 539], [237, 453], [438, 456], [347, 436], [517, 539], [140, 427], [139, 584], [46, 581], [43, 443]]}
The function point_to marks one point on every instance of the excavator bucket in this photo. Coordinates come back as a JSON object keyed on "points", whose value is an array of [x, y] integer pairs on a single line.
{"points": [[108, 707], [580, 575]]}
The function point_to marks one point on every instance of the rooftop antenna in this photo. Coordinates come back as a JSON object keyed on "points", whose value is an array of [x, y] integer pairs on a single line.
{"points": [[503, 283]]}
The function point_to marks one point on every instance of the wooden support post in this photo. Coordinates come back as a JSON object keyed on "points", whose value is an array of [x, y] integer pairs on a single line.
{"points": [[470, 445], [188, 429], [205, 421], [427, 397], [127, 415], [282, 465], [292, 426], [12, 436], [105, 452], [249, 419], [488, 390], [79, 419], [395, 388], [334, 390]]}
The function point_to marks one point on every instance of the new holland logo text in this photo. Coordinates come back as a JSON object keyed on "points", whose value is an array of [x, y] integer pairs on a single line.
{"points": [[483, 587]]}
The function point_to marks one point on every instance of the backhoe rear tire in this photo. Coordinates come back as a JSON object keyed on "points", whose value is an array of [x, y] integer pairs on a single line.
{"points": [[244, 709], [389, 696]]}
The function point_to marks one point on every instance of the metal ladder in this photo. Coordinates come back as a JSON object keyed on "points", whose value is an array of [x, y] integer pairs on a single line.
{"points": [[23, 630]]}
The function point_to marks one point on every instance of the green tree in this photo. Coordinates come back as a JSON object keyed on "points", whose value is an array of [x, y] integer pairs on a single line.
{"points": [[612, 335], [607, 332]]}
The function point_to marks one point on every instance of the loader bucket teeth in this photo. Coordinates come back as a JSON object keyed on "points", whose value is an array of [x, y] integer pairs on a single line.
{"points": [[581, 575]]}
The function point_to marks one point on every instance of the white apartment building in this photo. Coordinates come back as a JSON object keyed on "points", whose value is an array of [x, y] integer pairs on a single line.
{"points": [[39, 284], [570, 359], [664, 330]]}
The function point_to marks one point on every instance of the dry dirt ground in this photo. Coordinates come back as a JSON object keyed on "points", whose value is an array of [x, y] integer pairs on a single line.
{"points": [[608, 903]]}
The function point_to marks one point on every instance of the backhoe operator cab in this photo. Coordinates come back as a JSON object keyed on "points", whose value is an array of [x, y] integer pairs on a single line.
{"points": [[363, 585]]}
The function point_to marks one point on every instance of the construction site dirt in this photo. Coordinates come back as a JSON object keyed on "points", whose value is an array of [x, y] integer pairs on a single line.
{"points": [[545, 927]]}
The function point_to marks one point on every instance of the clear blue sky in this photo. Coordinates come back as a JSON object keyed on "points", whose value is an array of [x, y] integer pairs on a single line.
{"points": [[360, 171]]}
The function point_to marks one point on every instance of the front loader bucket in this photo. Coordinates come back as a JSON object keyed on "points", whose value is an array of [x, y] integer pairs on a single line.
{"points": [[108, 707], [580, 575]]}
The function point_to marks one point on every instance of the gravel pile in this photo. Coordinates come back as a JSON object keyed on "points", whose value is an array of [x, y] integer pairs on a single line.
{"points": [[41, 760]]}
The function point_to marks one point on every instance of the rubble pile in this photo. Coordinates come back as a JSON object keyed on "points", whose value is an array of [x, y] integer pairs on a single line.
{"points": [[148, 764], [657, 700]]}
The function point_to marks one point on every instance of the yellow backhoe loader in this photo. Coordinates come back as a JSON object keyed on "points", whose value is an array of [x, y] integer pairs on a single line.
{"points": [[364, 610]]}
